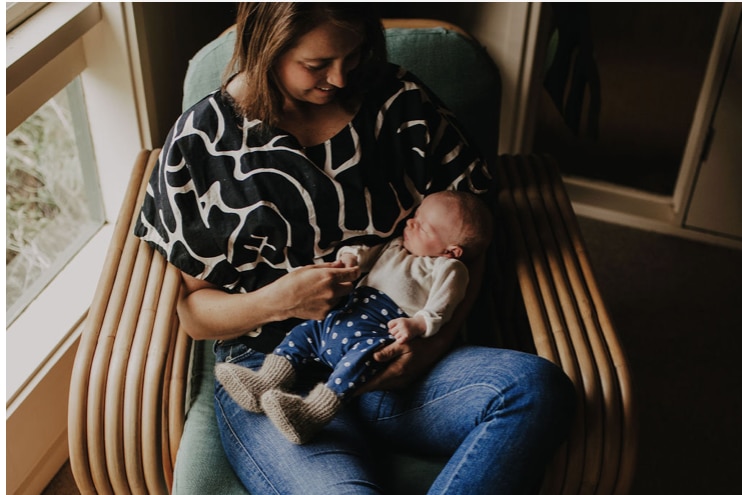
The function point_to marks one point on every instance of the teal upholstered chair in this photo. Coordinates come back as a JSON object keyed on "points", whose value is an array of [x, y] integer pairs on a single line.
{"points": [[142, 393]]}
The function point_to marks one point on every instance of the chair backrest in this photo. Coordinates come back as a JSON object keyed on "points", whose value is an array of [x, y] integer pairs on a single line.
{"points": [[455, 67]]}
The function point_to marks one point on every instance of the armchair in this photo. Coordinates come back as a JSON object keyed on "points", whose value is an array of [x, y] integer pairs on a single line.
{"points": [[141, 392]]}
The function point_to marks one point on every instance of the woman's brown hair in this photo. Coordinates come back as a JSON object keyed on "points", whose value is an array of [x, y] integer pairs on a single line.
{"points": [[267, 30]]}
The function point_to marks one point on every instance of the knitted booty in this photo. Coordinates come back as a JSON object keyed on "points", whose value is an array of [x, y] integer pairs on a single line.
{"points": [[299, 419], [246, 386]]}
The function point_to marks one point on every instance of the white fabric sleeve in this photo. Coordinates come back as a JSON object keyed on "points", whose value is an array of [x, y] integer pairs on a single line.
{"points": [[448, 290]]}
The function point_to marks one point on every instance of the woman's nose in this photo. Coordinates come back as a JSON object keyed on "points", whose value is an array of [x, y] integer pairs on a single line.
{"points": [[337, 75]]}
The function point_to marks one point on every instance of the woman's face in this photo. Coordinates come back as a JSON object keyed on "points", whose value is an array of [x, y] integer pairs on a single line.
{"points": [[318, 65]]}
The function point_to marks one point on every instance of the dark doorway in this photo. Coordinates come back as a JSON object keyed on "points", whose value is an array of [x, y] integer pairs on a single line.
{"points": [[628, 119]]}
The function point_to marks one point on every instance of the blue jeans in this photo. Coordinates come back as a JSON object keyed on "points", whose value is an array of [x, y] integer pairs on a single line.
{"points": [[499, 415]]}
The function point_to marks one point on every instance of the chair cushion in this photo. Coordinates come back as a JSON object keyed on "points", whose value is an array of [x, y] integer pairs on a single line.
{"points": [[202, 465], [204, 74], [460, 72]]}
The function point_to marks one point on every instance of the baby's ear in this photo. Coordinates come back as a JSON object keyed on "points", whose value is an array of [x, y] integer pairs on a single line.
{"points": [[454, 251]]}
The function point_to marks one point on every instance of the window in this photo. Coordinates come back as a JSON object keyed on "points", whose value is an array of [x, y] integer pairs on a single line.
{"points": [[67, 63], [53, 204]]}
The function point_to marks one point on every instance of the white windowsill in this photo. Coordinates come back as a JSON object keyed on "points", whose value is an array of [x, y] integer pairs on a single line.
{"points": [[53, 316]]}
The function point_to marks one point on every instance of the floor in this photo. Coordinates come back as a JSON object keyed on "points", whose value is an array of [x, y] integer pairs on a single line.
{"points": [[677, 306]]}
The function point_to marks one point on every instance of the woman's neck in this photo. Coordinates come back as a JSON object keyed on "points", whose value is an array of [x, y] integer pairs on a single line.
{"points": [[310, 124], [314, 124]]}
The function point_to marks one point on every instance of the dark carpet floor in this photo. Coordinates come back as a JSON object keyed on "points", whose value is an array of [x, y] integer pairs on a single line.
{"points": [[677, 306]]}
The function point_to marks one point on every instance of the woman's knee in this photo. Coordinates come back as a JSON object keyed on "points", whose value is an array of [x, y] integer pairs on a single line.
{"points": [[549, 395], [536, 387]]}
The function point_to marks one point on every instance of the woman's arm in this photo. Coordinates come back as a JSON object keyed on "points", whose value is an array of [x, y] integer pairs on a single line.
{"points": [[408, 360], [208, 312]]}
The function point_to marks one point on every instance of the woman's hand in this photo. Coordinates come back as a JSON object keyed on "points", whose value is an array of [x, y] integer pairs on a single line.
{"points": [[310, 292], [405, 362]]}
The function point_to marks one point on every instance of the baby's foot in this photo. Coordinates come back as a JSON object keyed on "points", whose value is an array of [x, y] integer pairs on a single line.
{"points": [[245, 386], [298, 418]]}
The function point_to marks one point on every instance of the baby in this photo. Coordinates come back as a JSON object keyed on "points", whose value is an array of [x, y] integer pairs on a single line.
{"points": [[412, 287]]}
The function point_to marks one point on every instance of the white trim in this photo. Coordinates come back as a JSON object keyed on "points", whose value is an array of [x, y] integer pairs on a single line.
{"points": [[44, 84], [142, 77], [40, 39], [529, 87], [16, 13], [503, 28], [52, 316], [618, 204], [643, 222], [632, 202], [708, 96], [116, 126], [634, 208]]}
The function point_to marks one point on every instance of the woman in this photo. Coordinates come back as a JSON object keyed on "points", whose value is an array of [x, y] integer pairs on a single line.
{"points": [[314, 142]]}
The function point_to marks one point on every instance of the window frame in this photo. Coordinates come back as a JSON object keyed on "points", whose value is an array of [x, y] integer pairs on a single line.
{"points": [[17, 12]]}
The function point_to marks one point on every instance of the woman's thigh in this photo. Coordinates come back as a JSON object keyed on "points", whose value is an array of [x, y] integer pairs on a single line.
{"points": [[498, 414], [337, 461]]}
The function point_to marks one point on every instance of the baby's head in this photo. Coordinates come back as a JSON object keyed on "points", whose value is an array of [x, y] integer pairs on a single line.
{"points": [[454, 224]]}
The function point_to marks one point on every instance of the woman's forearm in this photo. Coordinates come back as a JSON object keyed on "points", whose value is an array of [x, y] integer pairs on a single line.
{"points": [[211, 313], [208, 312]]}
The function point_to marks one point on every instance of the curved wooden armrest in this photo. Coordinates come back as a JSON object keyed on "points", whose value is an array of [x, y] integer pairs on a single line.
{"points": [[570, 326], [126, 404]]}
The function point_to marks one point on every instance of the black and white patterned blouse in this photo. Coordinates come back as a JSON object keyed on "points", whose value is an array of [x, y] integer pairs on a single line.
{"points": [[240, 208]]}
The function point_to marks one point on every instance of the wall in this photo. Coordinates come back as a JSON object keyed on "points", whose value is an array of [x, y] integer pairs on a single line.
{"points": [[168, 35], [36, 426]]}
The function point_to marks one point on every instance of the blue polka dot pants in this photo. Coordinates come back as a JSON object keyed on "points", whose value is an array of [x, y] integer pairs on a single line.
{"points": [[345, 340]]}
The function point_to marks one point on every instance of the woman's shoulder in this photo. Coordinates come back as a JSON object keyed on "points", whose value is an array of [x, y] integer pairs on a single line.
{"points": [[393, 78], [216, 102], [215, 118], [397, 86]]}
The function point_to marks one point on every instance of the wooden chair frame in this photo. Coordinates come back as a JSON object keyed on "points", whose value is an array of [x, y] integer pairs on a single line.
{"points": [[128, 392]]}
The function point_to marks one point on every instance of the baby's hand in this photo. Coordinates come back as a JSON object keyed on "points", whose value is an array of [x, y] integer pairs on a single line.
{"points": [[348, 260], [404, 329]]}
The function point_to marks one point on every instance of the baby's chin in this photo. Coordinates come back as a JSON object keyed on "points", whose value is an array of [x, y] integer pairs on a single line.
{"points": [[406, 245]]}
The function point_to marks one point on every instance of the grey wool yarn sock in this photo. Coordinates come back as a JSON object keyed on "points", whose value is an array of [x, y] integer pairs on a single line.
{"points": [[299, 419], [245, 386]]}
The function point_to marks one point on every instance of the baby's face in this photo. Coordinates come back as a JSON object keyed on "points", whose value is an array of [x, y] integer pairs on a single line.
{"points": [[433, 229]]}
